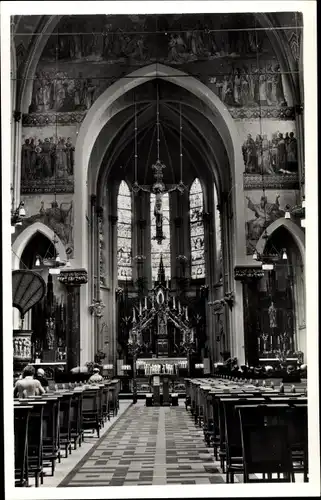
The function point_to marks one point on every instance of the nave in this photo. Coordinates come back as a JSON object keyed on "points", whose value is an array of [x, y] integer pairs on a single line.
{"points": [[201, 440]]}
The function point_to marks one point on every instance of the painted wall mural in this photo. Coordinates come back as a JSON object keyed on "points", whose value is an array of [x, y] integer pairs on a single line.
{"points": [[56, 91], [47, 163], [251, 85], [263, 208], [270, 155], [86, 55], [57, 214]]}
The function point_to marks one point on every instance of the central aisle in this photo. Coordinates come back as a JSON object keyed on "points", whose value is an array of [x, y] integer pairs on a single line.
{"points": [[148, 446]]}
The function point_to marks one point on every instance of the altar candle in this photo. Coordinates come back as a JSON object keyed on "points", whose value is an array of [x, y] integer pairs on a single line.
{"points": [[134, 314], [174, 303], [166, 283], [140, 308], [258, 343], [271, 342], [145, 302], [186, 313], [179, 307]]}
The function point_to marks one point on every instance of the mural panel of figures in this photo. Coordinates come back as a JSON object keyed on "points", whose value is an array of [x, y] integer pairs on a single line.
{"points": [[262, 209], [273, 154], [61, 91], [57, 214], [107, 47], [47, 163], [249, 85]]}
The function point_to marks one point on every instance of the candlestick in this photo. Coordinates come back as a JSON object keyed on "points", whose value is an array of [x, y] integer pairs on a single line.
{"points": [[145, 302], [140, 308], [174, 303], [179, 307], [134, 315], [186, 313]]}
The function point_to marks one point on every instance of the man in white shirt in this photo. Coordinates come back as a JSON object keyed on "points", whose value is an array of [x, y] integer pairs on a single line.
{"points": [[28, 386]]}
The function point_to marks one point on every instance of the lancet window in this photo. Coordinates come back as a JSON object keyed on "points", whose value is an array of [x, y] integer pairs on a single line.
{"points": [[196, 203], [124, 232]]}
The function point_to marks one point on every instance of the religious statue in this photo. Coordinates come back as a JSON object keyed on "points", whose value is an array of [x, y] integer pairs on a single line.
{"points": [[158, 213], [272, 316], [50, 333]]}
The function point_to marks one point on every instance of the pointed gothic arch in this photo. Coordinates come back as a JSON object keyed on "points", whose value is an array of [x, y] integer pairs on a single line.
{"points": [[291, 227], [23, 239]]}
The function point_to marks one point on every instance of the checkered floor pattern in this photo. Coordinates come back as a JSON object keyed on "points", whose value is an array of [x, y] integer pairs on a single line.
{"points": [[149, 446]]}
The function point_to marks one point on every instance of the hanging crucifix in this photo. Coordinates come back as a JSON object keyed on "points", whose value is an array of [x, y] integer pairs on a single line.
{"points": [[159, 188]]}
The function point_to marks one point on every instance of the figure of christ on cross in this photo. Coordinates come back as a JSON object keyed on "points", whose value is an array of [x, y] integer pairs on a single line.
{"points": [[158, 189]]}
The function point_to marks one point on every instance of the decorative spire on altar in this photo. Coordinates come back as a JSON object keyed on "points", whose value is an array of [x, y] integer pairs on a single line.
{"points": [[161, 271]]}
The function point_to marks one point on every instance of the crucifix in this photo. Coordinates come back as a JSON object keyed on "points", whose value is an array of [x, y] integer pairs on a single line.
{"points": [[159, 188]]}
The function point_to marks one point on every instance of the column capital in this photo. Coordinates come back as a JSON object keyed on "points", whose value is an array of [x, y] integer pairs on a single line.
{"points": [[73, 277], [245, 273]]}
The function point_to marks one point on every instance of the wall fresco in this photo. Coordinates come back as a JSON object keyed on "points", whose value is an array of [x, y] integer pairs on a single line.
{"points": [[56, 213], [85, 56], [47, 161], [263, 208]]}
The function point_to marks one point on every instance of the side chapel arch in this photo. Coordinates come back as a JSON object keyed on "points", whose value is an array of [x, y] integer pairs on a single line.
{"points": [[23, 239], [291, 227]]}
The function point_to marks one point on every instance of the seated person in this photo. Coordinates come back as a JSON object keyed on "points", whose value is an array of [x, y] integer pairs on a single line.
{"points": [[28, 386], [96, 378], [42, 379]]}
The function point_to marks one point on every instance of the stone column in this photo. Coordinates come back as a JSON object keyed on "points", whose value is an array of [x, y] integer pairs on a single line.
{"points": [[249, 277], [73, 279], [113, 283], [16, 156]]}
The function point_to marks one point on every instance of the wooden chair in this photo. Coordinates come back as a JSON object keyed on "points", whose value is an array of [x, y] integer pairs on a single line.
{"points": [[105, 403], [21, 427], [232, 433], [64, 423], [265, 448], [91, 410], [76, 418], [51, 444], [112, 399], [35, 440]]}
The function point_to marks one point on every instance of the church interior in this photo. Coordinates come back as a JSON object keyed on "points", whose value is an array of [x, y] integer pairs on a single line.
{"points": [[158, 248]]}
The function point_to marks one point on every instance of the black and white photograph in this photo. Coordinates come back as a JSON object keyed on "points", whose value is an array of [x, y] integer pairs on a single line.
{"points": [[159, 193]]}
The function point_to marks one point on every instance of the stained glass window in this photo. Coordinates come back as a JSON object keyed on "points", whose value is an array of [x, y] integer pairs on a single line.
{"points": [[164, 248], [124, 232], [197, 230]]}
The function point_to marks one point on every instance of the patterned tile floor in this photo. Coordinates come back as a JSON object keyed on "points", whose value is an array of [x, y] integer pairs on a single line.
{"points": [[149, 446]]}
